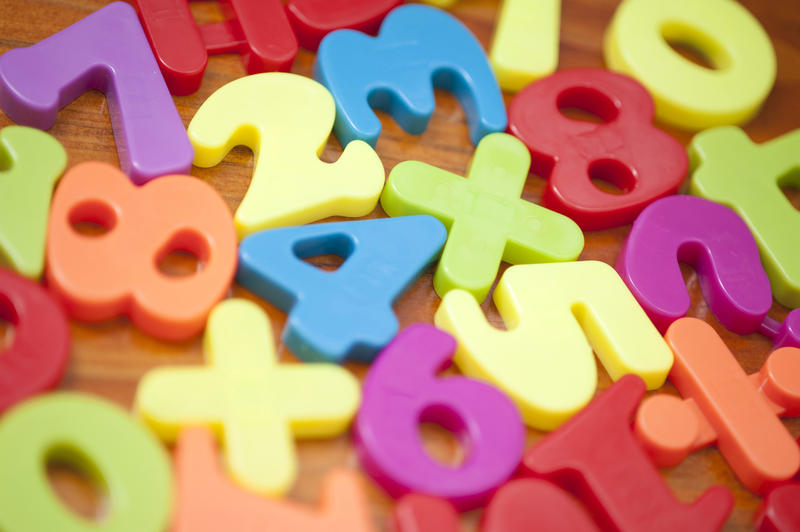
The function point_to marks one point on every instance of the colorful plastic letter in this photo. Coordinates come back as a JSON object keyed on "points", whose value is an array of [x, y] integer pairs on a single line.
{"points": [[625, 149], [732, 170], [688, 95], [556, 315], [208, 502], [107, 51], [98, 277], [779, 512], [255, 405], [596, 456], [418, 48], [401, 391], [34, 161], [718, 244], [525, 45], [487, 220], [314, 19], [36, 358], [286, 120], [99, 439], [722, 404], [258, 30], [529, 504], [346, 314], [422, 513]]}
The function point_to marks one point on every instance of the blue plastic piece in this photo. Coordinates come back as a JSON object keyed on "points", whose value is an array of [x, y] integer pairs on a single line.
{"points": [[346, 314], [418, 48]]}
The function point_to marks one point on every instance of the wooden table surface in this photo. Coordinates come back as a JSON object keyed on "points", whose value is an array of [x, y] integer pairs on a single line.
{"points": [[109, 359]]}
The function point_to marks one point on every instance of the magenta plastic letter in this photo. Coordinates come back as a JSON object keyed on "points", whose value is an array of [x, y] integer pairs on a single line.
{"points": [[107, 51], [402, 390]]}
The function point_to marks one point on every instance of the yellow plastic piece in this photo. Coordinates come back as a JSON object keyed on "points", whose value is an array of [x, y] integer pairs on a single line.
{"points": [[525, 45], [688, 95], [556, 314], [251, 402], [285, 119], [441, 3]]}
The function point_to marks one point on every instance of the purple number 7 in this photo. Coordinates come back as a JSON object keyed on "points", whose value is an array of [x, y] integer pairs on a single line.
{"points": [[107, 51]]}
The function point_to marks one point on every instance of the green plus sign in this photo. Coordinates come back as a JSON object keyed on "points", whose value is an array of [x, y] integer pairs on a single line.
{"points": [[486, 219], [747, 177]]}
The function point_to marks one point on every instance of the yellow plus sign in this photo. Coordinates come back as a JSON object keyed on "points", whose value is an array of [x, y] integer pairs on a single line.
{"points": [[253, 404]]}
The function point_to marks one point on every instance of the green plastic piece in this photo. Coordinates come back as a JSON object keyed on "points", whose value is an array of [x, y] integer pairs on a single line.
{"points": [[732, 170], [96, 437], [486, 219], [33, 162]]}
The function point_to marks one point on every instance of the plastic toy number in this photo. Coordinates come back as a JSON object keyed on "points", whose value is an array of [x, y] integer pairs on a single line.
{"points": [[101, 276], [36, 358], [264, 32], [346, 314], [97, 438], [597, 450], [525, 44], [258, 29], [286, 120], [687, 95], [418, 48], [556, 314], [401, 391], [718, 244], [107, 51], [724, 405], [625, 149], [34, 161], [713, 239]]}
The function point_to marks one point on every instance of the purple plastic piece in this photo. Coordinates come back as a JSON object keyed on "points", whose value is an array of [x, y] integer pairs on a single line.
{"points": [[402, 390], [107, 51], [718, 244], [711, 238], [786, 334]]}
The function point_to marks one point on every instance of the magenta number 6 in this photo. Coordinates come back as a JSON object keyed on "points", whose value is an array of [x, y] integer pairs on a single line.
{"points": [[402, 391]]}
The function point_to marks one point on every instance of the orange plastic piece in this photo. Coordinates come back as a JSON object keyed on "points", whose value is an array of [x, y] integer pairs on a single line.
{"points": [[98, 277], [724, 405], [208, 502]]}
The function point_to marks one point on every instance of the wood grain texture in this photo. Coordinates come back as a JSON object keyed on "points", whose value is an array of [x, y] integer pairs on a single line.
{"points": [[108, 359]]}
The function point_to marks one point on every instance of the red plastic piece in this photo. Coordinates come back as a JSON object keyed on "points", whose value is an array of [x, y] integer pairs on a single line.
{"points": [[423, 513], [534, 504], [780, 511], [314, 19], [595, 456], [625, 150], [37, 357], [258, 30]]}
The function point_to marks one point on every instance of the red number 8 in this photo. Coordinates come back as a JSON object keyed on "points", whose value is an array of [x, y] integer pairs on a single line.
{"points": [[625, 149]]}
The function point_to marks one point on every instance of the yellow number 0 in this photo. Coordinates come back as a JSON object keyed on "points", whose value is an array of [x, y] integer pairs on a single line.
{"points": [[688, 95]]}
